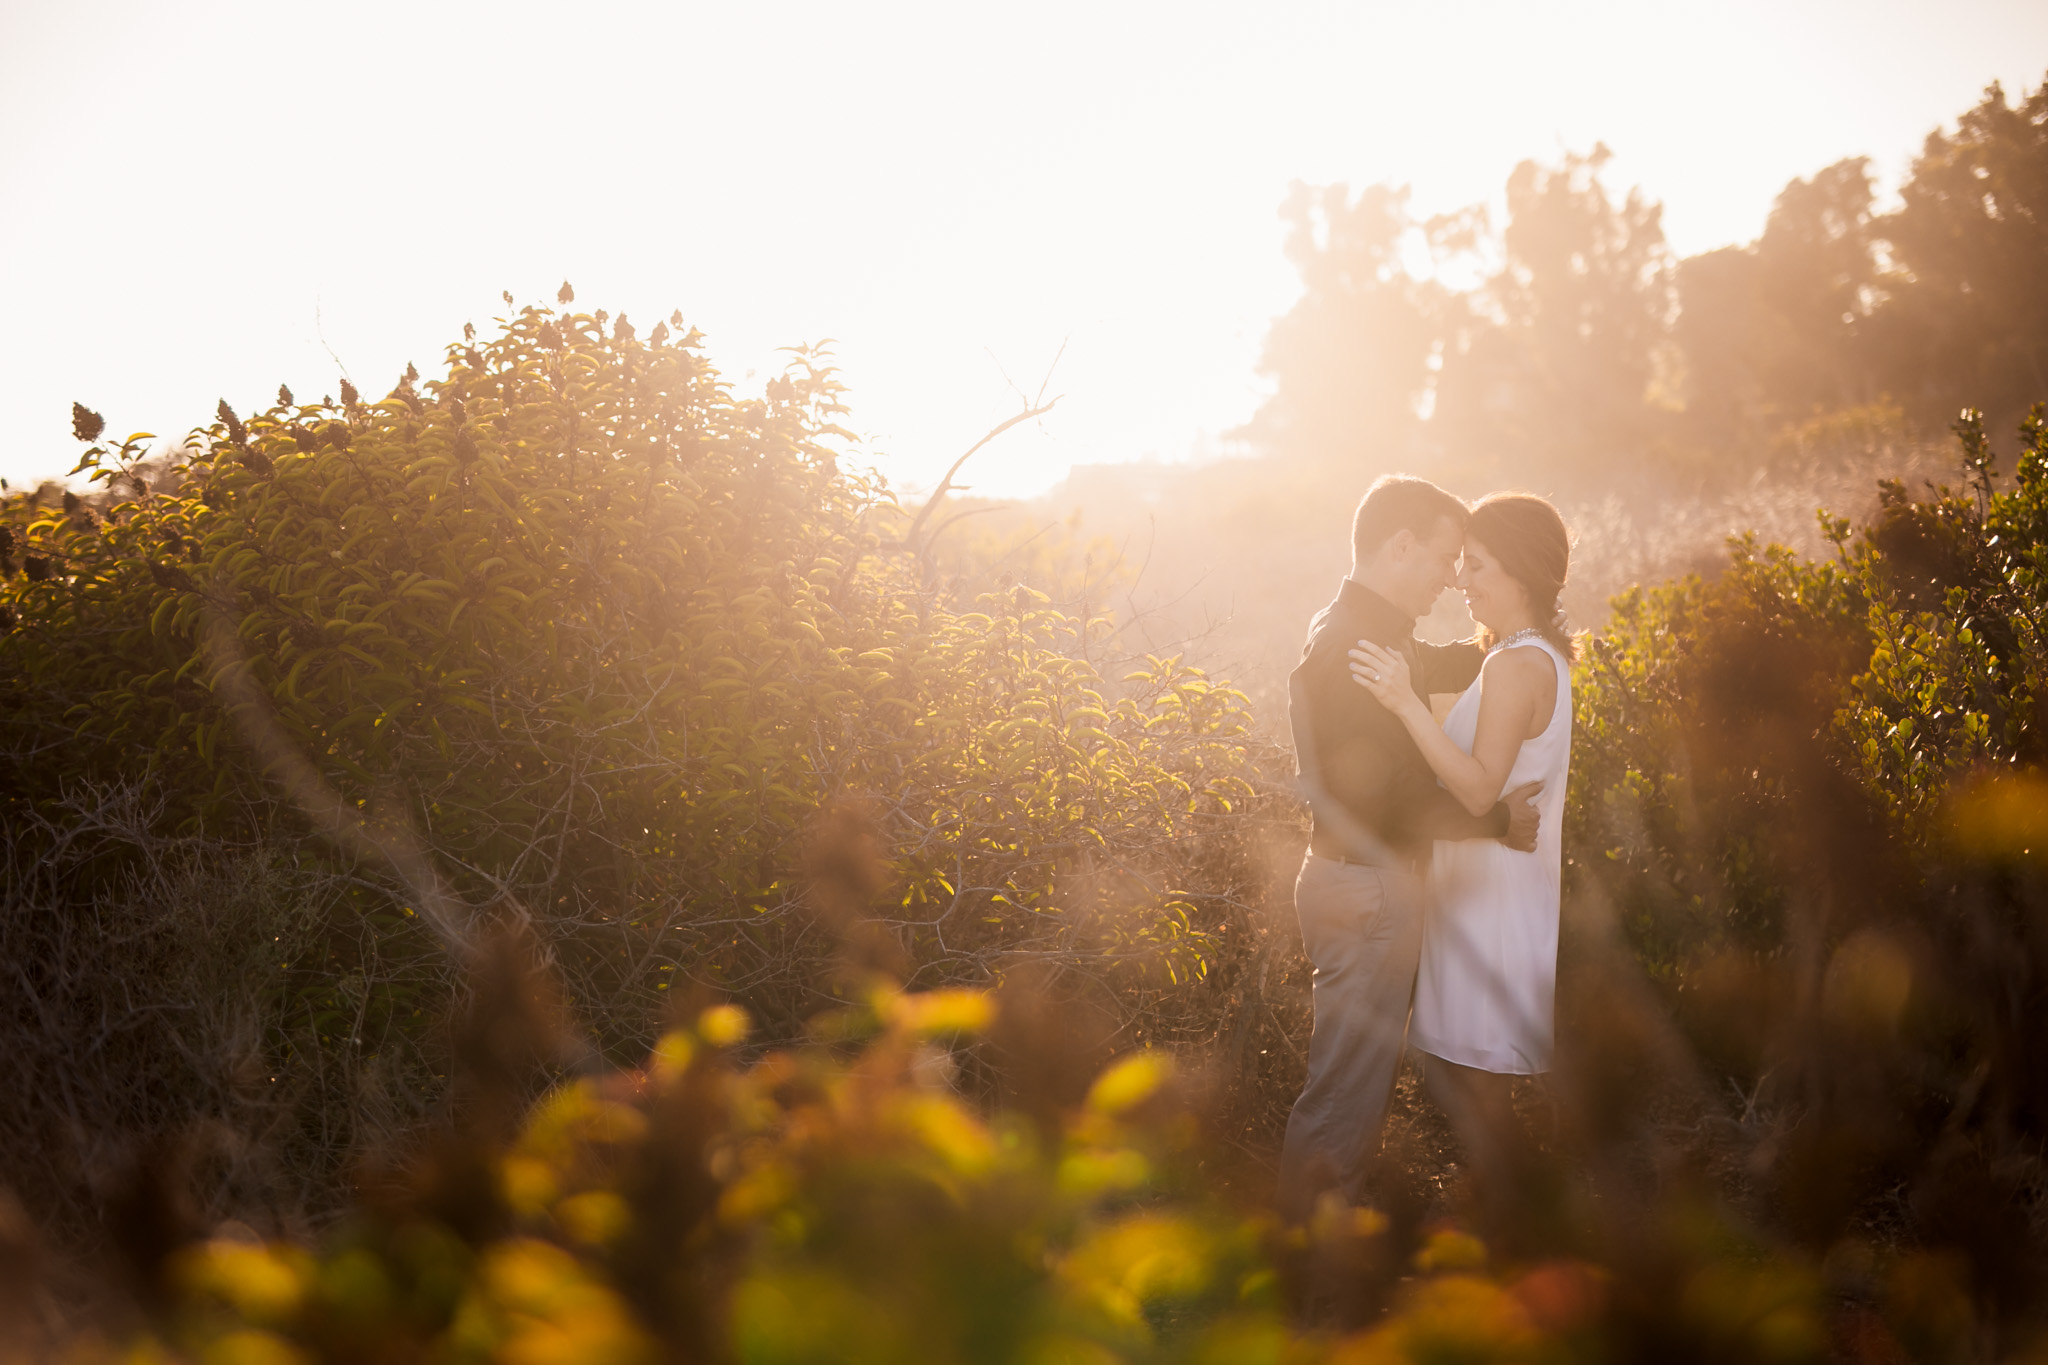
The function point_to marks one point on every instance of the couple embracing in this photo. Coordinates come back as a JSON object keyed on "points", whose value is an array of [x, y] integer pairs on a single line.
{"points": [[1431, 879]]}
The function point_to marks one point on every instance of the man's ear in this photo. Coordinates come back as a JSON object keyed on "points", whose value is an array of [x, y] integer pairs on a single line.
{"points": [[1399, 546]]}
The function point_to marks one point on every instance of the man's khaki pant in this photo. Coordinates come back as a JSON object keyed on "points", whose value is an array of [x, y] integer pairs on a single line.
{"points": [[1362, 928]]}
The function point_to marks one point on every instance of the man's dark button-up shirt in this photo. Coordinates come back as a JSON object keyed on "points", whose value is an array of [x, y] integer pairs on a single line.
{"points": [[1371, 791]]}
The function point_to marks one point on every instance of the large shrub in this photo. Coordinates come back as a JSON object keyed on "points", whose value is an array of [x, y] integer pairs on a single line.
{"points": [[1719, 717], [1811, 795], [572, 635]]}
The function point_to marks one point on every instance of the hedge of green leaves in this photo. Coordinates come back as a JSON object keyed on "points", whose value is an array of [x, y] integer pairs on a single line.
{"points": [[603, 639], [1712, 714], [1811, 797]]}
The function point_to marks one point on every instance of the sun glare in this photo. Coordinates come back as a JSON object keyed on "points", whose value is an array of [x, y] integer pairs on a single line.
{"points": [[958, 196]]}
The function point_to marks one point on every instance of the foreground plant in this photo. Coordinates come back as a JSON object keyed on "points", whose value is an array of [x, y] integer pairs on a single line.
{"points": [[839, 1202], [1811, 797]]}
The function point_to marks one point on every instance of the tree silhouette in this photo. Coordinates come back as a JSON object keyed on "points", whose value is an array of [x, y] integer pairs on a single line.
{"points": [[1773, 331], [1557, 355], [1969, 248], [1587, 348], [1350, 360]]}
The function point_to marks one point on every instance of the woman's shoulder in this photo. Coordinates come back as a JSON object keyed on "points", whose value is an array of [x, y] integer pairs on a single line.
{"points": [[1529, 664], [1523, 675]]}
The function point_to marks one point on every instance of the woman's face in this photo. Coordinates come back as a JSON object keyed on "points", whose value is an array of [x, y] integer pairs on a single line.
{"points": [[1496, 599]]}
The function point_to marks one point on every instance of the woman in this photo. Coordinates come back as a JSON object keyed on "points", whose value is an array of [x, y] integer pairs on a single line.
{"points": [[1488, 976]]}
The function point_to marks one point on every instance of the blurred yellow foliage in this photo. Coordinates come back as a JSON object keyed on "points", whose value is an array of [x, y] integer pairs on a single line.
{"points": [[2004, 816], [1129, 1083], [822, 1204]]}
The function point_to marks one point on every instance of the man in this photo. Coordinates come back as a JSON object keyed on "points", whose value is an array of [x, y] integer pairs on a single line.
{"points": [[1377, 809]]}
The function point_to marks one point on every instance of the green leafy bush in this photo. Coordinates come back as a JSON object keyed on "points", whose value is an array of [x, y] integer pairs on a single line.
{"points": [[571, 635], [1713, 715], [1810, 796]]}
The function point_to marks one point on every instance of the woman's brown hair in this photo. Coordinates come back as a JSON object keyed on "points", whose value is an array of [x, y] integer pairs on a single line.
{"points": [[1528, 537]]}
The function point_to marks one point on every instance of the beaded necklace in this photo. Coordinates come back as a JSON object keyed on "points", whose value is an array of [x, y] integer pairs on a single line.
{"points": [[1508, 642]]}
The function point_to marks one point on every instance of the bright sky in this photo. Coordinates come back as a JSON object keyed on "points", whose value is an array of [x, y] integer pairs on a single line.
{"points": [[193, 196]]}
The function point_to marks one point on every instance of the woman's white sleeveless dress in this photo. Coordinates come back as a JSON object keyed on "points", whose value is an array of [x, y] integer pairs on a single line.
{"points": [[1487, 984]]}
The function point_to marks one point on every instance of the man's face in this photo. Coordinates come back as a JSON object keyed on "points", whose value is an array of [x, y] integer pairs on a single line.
{"points": [[1432, 566]]}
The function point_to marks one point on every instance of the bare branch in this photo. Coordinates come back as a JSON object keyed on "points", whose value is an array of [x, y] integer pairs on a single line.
{"points": [[948, 523], [1045, 382], [946, 484]]}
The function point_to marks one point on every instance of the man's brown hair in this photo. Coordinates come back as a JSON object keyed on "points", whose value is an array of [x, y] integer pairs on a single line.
{"points": [[1401, 502]]}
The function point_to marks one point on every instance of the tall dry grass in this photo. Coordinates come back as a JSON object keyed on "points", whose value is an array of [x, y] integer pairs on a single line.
{"points": [[196, 1004]]}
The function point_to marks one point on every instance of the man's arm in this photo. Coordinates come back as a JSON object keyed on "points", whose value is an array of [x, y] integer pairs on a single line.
{"points": [[1447, 668], [1366, 763], [1436, 814], [1512, 820]]}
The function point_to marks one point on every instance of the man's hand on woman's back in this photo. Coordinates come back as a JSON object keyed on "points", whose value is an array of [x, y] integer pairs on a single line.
{"points": [[1522, 817]]}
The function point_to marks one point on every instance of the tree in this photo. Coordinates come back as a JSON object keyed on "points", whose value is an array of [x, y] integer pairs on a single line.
{"points": [[1350, 360], [1556, 360], [1969, 253], [1588, 346], [1777, 330], [1550, 363]]}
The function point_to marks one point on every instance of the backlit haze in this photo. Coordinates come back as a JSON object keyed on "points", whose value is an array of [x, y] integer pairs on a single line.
{"points": [[202, 200]]}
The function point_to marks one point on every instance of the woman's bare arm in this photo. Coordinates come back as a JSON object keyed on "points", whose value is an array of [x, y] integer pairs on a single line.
{"points": [[1511, 709]]}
